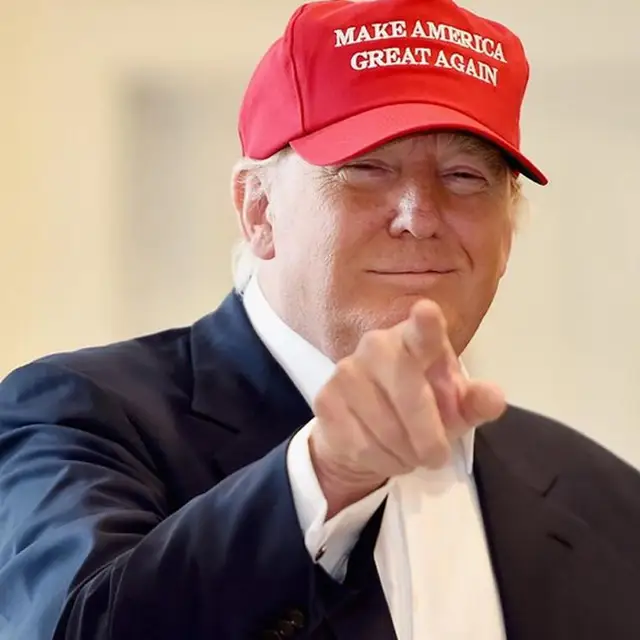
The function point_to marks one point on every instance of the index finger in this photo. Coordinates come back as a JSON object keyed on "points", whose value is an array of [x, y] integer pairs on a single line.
{"points": [[424, 334]]}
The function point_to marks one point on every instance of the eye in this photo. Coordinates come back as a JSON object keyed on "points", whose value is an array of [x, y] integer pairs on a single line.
{"points": [[465, 182], [465, 175], [365, 173], [365, 167]]}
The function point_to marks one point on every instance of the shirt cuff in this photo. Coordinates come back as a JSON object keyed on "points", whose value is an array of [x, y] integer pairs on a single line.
{"points": [[330, 542]]}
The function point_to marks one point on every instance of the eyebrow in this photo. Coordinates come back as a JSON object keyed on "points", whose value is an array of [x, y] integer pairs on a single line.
{"points": [[459, 142]]}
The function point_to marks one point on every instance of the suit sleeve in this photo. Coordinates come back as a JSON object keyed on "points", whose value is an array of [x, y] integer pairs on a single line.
{"points": [[329, 541], [88, 550]]}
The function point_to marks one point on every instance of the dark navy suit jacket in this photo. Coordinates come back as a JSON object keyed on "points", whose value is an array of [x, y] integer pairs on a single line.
{"points": [[144, 496]]}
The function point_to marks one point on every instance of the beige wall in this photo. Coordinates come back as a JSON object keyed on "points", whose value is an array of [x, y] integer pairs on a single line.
{"points": [[75, 269]]}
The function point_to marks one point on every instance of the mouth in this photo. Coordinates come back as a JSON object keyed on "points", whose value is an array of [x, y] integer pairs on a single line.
{"points": [[394, 272], [413, 277]]}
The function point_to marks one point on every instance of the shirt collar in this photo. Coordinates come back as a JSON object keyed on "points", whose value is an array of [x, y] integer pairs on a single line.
{"points": [[308, 368]]}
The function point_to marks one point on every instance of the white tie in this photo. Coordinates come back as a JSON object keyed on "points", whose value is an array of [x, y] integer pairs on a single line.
{"points": [[433, 558]]}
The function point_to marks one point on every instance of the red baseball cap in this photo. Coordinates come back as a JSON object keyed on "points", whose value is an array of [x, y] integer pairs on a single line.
{"points": [[350, 75]]}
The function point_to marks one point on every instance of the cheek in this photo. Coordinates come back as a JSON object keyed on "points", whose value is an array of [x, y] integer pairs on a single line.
{"points": [[307, 236], [485, 237], [503, 237], [348, 224], [367, 216], [328, 227]]}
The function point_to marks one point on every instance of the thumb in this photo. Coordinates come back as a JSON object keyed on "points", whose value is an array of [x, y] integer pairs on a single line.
{"points": [[482, 402]]}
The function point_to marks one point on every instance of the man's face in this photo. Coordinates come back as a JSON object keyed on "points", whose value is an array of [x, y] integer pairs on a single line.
{"points": [[354, 246]]}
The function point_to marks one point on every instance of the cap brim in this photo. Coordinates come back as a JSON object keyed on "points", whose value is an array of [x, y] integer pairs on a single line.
{"points": [[344, 140]]}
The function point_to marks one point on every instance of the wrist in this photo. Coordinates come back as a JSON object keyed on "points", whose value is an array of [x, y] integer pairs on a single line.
{"points": [[340, 485]]}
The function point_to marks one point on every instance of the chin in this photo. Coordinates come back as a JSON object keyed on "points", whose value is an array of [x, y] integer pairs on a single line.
{"points": [[406, 299], [385, 313], [357, 318], [388, 312]]}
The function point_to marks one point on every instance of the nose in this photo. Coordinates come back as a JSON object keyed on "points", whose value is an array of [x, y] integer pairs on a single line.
{"points": [[417, 210]]}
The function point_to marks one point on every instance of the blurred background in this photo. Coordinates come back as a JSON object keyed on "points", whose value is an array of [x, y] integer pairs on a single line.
{"points": [[118, 133]]}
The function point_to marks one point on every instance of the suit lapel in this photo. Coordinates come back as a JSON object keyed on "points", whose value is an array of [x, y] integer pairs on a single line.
{"points": [[240, 386], [556, 577], [529, 542]]}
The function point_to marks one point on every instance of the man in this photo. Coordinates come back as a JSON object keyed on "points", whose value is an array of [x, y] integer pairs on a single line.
{"points": [[310, 460]]}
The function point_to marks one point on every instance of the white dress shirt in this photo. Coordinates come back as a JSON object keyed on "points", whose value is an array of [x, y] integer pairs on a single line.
{"points": [[431, 553]]}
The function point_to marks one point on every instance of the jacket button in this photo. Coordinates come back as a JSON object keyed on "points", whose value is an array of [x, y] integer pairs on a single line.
{"points": [[286, 629], [296, 618]]}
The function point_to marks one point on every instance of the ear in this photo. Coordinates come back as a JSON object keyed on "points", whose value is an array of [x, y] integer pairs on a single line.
{"points": [[251, 203]]}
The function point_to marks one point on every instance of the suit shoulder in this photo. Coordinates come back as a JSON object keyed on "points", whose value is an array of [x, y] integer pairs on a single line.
{"points": [[121, 370], [549, 441], [596, 484]]}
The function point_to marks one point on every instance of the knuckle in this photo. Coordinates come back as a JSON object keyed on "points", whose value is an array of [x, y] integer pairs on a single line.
{"points": [[346, 372], [324, 401], [373, 343], [320, 401], [413, 393]]}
